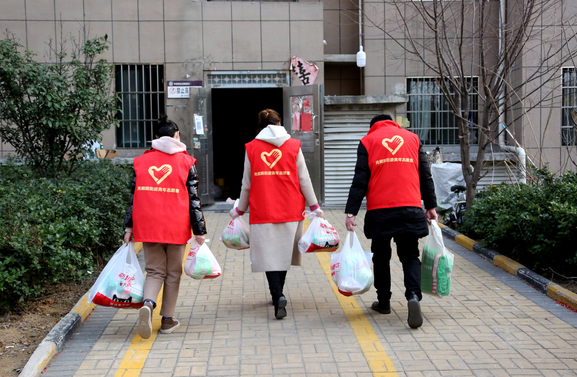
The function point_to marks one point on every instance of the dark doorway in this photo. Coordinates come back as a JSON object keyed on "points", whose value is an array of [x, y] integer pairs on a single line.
{"points": [[234, 121]]}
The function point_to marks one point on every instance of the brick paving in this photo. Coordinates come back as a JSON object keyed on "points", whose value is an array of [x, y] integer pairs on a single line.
{"points": [[492, 324]]}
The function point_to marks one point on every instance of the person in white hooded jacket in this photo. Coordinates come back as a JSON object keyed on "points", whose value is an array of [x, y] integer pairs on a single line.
{"points": [[276, 185]]}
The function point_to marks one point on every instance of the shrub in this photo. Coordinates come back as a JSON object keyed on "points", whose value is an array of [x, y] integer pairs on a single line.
{"points": [[49, 112], [533, 224], [53, 230]]}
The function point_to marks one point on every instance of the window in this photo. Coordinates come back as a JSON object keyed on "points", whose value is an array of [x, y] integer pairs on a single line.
{"points": [[430, 116], [141, 92], [569, 107]]}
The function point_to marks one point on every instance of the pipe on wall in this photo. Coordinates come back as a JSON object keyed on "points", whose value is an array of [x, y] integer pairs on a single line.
{"points": [[521, 154]]}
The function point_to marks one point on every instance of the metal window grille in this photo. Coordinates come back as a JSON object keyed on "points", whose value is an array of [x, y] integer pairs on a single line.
{"points": [[271, 79], [569, 107], [140, 89], [430, 116]]}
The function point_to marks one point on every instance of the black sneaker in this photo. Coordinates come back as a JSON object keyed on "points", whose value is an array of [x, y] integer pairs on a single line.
{"points": [[280, 308], [384, 308], [415, 319]]}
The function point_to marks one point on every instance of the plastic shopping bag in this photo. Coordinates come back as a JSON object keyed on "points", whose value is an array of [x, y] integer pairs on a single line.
{"points": [[121, 283], [436, 264], [351, 268], [319, 236], [201, 263], [236, 233]]}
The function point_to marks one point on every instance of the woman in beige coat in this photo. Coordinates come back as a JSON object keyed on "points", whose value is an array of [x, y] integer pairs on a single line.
{"points": [[275, 184]]}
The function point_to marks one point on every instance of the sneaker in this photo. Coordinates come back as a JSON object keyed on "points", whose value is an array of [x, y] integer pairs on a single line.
{"points": [[415, 319], [145, 320], [168, 325], [384, 308], [280, 308]]}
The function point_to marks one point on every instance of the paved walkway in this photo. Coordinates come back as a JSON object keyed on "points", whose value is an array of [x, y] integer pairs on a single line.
{"points": [[492, 324]]}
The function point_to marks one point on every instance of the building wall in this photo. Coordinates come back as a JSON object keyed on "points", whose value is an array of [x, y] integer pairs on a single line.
{"points": [[193, 38], [536, 122], [540, 129], [190, 38]]}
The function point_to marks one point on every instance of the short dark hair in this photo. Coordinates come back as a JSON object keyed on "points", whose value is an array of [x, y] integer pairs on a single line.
{"points": [[380, 117], [166, 127]]}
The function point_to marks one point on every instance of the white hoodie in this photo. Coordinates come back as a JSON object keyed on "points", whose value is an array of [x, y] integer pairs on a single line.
{"points": [[275, 135], [168, 145]]}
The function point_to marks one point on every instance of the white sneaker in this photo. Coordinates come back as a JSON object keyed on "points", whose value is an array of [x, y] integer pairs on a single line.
{"points": [[145, 321]]}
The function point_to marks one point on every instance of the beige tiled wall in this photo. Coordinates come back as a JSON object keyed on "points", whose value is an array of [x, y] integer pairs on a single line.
{"points": [[189, 37], [341, 26], [159, 31], [193, 37]]}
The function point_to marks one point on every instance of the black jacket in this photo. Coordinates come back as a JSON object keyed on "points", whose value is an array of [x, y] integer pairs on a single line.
{"points": [[390, 222], [194, 208]]}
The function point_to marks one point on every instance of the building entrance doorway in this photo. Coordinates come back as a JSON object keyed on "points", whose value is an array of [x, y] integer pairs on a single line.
{"points": [[234, 121]]}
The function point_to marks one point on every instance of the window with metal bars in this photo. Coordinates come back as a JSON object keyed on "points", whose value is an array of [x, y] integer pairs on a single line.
{"points": [[569, 107], [140, 89], [430, 116]]}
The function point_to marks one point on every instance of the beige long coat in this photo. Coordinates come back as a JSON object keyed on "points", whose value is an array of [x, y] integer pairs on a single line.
{"points": [[274, 247]]}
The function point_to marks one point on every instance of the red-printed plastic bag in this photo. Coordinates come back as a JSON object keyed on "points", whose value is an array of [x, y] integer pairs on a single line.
{"points": [[351, 268], [121, 283], [319, 236], [201, 263], [236, 235]]}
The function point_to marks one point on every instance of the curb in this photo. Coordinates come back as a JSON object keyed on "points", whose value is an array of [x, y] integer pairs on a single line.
{"points": [[57, 337], [544, 285]]}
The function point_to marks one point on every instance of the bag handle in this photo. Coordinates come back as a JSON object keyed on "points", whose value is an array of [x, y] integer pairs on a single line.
{"points": [[308, 214], [352, 235], [437, 233]]}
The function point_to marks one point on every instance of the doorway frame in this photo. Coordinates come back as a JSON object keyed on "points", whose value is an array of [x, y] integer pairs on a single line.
{"points": [[201, 104]]}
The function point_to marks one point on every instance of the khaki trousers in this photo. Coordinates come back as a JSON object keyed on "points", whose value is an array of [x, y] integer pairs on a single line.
{"points": [[163, 266]]}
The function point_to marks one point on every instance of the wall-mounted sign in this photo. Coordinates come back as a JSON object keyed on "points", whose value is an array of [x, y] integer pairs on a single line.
{"points": [[181, 89], [198, 124], [305, 71]]}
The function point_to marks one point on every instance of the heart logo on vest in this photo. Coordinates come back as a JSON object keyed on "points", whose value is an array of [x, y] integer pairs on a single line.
{"points": [[164, 171], [393, 144], [271, 158]]}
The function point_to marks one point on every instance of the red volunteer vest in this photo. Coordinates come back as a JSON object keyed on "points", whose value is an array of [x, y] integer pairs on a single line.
{"points": [[394, 164], [160, 211], [275, 193]]}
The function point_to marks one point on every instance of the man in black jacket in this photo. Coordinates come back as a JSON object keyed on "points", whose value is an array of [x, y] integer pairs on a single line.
{"points": [[393, 173]]}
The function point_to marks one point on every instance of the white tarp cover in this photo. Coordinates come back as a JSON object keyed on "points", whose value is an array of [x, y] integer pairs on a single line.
{"points": [[445, 175]]}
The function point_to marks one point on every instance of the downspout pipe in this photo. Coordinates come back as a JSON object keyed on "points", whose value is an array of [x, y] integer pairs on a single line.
{"points": [[521, 154], [361, 24]]}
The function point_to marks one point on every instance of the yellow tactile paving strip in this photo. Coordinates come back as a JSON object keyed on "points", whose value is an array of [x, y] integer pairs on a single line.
{"points": [[377, 358], [484, 328]]}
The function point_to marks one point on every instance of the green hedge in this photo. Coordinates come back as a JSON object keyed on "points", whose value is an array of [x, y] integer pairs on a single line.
{"points": [[535, 225], [54, 230]]}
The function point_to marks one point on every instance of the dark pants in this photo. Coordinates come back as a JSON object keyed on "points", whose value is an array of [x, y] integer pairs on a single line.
{"points": [[276, 281], [408, 252]]}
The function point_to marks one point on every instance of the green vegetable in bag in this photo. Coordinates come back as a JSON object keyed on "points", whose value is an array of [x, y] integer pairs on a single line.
{"points": [[436, 264]]}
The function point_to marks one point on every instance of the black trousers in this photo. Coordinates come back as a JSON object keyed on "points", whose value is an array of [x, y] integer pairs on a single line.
{"points": [[276, 281], [408, 252]]}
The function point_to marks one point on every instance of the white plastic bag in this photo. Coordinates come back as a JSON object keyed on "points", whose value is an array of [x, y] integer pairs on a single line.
{"points": [[201, 263], [121, 283], [319, 236], [351, 268], [236, 234], [436, 264]]}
